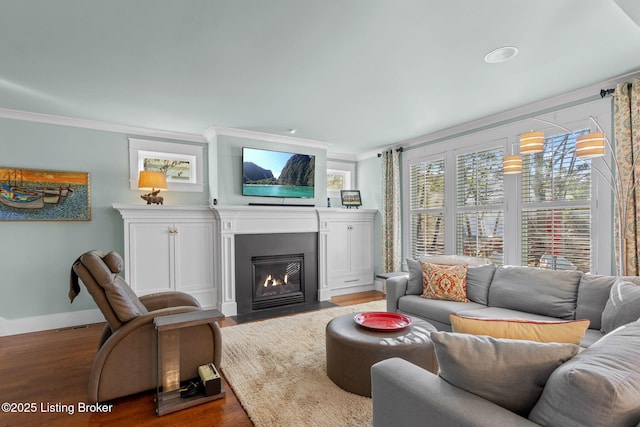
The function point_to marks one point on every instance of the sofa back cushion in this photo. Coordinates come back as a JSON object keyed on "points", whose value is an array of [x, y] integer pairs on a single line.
{"points": [[535, 290], [414, 284], [598, 387], [593, 293], [479, 275], [479, 279], [623, 305]]}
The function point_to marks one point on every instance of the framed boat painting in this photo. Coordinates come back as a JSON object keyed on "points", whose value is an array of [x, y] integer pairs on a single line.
{"points": [[44, 195]]}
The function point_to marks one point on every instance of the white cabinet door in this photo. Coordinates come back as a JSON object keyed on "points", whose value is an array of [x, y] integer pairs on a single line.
{"points": [[338, 258], [361, 247], [150, 257], [194, 260]]}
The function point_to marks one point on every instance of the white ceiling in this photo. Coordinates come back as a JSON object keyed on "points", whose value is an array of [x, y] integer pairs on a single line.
{"points": [[356, 74]]}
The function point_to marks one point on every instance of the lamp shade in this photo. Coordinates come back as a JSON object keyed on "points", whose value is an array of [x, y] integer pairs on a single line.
{"points": [[150, 181], [532, 142], [512, 164], [590, 145]]}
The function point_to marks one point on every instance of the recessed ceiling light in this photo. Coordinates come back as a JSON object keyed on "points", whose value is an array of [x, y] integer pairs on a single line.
{"points": [[292, 131], [501, 54]]}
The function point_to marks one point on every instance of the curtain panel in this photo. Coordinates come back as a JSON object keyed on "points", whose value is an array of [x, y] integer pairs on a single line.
{"points": [[391, 222], [627, 136]]}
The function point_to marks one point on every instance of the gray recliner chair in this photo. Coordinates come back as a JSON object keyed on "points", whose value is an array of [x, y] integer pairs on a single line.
{"points": [[126, 362]]}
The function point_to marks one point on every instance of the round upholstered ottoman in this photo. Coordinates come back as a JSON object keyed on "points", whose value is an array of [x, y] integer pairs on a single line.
{"points": [[352, 349]]}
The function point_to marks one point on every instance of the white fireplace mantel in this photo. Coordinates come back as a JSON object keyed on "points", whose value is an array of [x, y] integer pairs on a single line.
{"points": [[239, 219]]}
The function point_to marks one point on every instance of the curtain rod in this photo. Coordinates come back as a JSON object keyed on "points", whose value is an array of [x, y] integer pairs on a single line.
{"points": [[399, 150], [605, 92]]}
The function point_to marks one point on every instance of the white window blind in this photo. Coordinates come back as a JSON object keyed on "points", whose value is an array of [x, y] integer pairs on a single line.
{"points": [[480, 204], [556, 206], [427, 208]]}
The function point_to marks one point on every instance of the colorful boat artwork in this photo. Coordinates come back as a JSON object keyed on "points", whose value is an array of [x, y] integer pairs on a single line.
{"points": [[39, 194]]}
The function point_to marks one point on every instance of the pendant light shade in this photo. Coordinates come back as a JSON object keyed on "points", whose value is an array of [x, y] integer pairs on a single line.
{"points": [[512, 164], [532, 142], [590, 145]]}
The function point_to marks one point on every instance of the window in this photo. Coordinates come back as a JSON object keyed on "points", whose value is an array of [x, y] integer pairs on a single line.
{"points": [[479, 206], [340, 176], [557, 214], [556, 206], [427, 208]]}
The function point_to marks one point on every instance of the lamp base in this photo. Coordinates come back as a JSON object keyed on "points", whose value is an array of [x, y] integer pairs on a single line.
{"points": [[153, 198]]}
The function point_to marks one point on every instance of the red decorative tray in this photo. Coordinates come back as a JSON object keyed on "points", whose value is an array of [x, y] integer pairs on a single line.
{"points": [[382, 320]]}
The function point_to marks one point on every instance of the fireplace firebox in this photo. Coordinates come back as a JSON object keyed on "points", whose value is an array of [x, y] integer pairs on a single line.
{"points": [[275, 270], [277, 280]]}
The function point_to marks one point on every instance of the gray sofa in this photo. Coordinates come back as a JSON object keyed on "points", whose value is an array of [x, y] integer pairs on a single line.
{"points": [[516, 292], [598, 386]]}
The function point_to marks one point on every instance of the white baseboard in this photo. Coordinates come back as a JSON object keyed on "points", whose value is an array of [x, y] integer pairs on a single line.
{"points": [[25, 325], [352, 290]]}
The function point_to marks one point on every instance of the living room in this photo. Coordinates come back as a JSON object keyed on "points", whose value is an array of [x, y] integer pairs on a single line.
{"points": [[87, 80]]}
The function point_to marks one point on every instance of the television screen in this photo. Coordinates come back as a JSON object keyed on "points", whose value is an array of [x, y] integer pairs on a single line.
{"points": [[269, 173]]}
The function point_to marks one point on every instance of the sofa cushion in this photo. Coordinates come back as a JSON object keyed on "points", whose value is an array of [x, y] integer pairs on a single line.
{"points": [[623, 305], [414, 284], [535, 290], [478, 281], [479, 276], [593, 293], [569, 331], [598, 387], [444, 282], [518, 369], [437, 310]]}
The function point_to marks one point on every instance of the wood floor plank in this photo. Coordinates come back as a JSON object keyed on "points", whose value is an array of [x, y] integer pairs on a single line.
{"points": [[47, 372]]}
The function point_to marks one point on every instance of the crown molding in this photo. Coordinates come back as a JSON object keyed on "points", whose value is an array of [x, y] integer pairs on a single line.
{"points": [[342, 157], [269, 137], [97, 125], [585, 94]]}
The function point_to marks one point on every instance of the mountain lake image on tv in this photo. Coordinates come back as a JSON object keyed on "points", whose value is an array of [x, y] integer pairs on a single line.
{"points": [[269, 173]]}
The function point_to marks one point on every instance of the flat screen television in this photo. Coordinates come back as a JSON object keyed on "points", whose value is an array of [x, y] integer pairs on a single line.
{"points": [[268, 173]]}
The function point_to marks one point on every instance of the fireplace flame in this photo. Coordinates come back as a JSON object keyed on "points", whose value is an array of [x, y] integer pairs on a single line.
{"points": [[266, 282], [286, 279]]}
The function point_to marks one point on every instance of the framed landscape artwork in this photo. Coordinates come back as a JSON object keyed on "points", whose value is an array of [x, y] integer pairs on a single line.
{"points": [[351, 198], [44, 195], [181, 163]]}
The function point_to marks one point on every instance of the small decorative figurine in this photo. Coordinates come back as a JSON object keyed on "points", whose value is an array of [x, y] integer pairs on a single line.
{"points": [[153, 198]]}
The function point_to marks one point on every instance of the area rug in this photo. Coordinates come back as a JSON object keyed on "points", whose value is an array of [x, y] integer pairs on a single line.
{"points": [[277, 369]]}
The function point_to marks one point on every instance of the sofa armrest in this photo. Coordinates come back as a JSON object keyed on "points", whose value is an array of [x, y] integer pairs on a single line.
{"points": [[160, 300], [406, 395], [396, 287]]}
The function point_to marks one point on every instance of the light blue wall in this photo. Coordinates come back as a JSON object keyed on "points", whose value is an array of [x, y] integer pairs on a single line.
{"points": [[370, 186], [36, 256], [229, 169]]}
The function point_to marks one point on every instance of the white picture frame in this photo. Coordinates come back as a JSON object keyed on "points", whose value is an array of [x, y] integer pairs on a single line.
{"points": [[182, 163]]}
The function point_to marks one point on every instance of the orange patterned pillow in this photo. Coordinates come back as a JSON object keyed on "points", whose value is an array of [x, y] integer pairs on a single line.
{"points": [[444, 282]]}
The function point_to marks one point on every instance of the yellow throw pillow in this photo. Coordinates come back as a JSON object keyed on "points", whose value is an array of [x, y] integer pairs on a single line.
{"points": [[444, 282], [562, 331]]}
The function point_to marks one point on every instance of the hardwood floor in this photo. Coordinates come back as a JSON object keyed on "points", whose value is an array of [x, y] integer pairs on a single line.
{"points": [[47, 373]]}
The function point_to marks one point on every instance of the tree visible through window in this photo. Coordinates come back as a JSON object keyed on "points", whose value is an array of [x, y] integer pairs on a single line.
{"points": [[556, 206], [480, 205], [427, 208]]}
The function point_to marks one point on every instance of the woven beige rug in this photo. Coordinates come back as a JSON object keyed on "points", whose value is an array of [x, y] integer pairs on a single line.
{"points": [[277, 369]]}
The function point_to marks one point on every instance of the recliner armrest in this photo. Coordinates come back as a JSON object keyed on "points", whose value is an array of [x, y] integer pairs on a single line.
{"points": [[168, 299], [406, 395]]}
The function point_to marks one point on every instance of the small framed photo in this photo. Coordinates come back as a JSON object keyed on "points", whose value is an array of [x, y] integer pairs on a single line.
{"points": [[351, 198]]}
